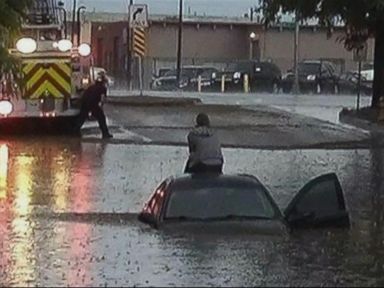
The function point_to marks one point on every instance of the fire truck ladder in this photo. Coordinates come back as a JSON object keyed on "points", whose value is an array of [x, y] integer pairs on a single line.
{"points": [[43, 12]]}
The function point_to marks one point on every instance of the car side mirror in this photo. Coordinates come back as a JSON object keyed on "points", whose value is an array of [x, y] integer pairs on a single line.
{"points": [[296, 219], [147, 218]]}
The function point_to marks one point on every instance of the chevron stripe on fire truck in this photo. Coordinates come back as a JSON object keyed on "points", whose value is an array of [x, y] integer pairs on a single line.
{"points": [[51, 77]]}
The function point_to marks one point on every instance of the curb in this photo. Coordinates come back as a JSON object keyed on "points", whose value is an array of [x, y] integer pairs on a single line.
{"points": [[151, 101], [352, 119]]}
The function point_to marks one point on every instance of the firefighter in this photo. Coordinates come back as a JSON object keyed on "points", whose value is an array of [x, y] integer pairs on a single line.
{"points": [[92, 101]]}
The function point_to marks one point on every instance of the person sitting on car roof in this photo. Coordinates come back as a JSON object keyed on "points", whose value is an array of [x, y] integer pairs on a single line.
{"points": [[204, 148]]}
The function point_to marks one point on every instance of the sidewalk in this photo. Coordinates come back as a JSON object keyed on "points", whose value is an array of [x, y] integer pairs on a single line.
{"points": [[134, 100], [166, 121], [365, 118]]}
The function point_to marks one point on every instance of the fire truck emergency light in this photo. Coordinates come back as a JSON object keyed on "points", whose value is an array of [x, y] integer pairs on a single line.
{"points": [[26, 45], [6, 107], [64, 45], [85, 50]]}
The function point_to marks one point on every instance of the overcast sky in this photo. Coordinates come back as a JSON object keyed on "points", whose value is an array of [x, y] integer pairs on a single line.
{"points": [[228, 8]]}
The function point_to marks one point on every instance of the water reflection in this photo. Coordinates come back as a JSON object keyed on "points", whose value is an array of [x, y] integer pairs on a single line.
{"points": [[36, 177], [3, 170], [21, 223], [4, 211], [376, 243], [49, 176]]}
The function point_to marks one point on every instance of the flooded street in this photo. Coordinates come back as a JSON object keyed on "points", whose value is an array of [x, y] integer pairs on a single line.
{"points": [[45, 184], [103, 102]]}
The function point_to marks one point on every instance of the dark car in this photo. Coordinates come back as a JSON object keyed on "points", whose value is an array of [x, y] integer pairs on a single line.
{"points": [[315, 76], [189, 79], [263, 76], [349, 83], [242, 202]]}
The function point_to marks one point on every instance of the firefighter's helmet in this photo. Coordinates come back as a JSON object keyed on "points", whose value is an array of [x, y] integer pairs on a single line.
{"points": [[101, 77]]}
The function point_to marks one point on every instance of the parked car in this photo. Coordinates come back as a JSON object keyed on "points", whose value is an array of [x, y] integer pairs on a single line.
{"points": [[348, 83], [368, 71], [189, 78], [242, 202], [263, 76], [315, 76], [163, 71]]}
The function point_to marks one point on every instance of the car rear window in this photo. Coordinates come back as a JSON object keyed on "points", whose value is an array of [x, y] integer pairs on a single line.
{"points": [[218, 200], [239, 66], [309, 68], [185, 72]]}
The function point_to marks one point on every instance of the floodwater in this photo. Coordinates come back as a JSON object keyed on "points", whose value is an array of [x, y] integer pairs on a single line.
{"points": [[45, 183]]}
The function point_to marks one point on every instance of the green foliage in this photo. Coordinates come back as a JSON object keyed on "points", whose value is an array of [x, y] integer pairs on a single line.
{"points": [[12, 13], [361, 17]]}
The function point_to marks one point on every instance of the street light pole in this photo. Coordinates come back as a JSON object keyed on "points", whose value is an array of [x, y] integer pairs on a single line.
{"points": [[79, 24], [179, 43], [250, 49], [129, 48], [73, 21], [252, 38], [296, 88]]}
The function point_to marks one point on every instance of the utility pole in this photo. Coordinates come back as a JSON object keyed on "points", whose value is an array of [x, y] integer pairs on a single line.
{"points": [[73, 21], [179, 43], [129, 49], [251, 14], [296, 88]]}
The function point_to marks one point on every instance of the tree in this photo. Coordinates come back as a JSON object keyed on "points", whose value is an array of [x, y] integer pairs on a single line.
{"points": [[12, 13], [362, 19]]}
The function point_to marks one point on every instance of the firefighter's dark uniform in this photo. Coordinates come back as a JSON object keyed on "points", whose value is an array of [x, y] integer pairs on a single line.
{"points": [[91, 103]]}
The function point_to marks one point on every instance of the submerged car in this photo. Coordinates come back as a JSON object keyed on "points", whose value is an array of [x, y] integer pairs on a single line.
{"points": [[243, 201]]}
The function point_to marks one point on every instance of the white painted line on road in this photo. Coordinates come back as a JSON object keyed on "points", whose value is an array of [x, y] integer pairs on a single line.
{"points": [[132, 135], [125, 135]]}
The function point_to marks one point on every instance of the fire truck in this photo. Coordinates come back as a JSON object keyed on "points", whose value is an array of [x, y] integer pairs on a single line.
{"points": [[44, 93]]}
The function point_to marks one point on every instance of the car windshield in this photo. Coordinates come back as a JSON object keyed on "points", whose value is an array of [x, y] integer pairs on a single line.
{"points": [[205, 201], [184, 73], [309, 68], [368, 66]]}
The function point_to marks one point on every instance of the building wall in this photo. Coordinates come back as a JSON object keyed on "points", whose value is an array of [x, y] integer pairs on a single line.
{"points": [[110, 45], [209, 41], [215, 44], [313, 44]]}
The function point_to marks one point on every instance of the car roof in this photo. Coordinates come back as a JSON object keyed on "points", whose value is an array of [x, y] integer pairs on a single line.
{"points": [[316, 62], [221, 179], [253, 61], [197, 67]]}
